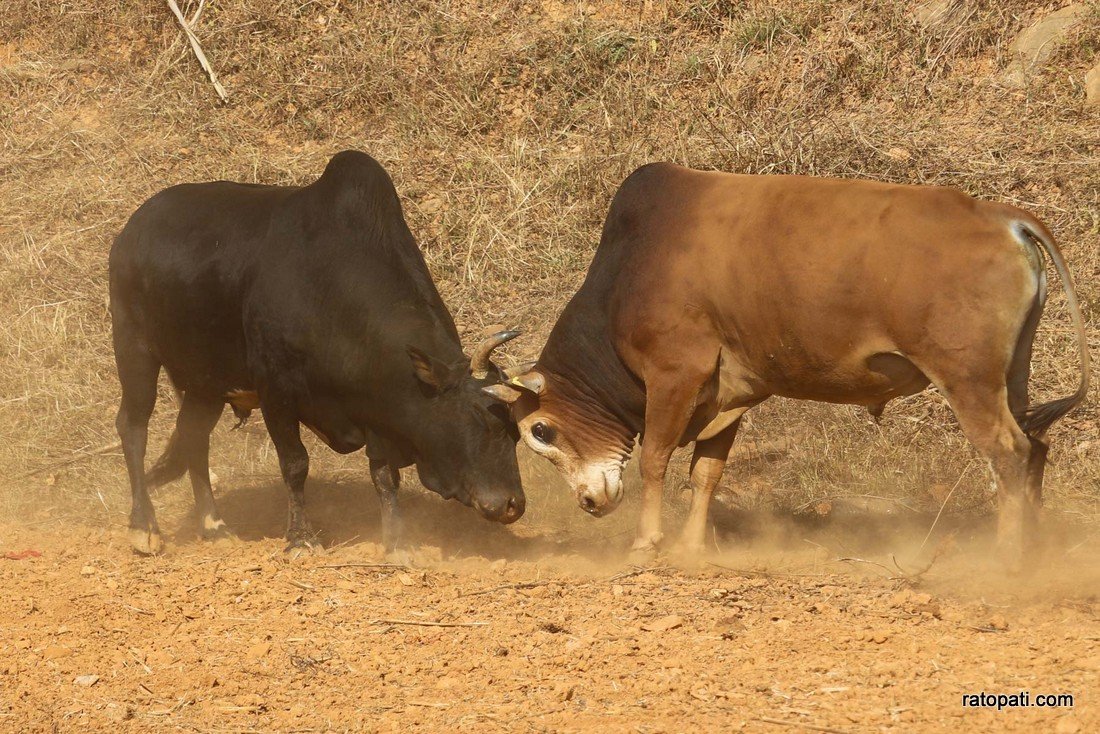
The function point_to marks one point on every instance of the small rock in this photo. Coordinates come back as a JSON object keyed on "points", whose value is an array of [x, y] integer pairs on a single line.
{"points": [[931, 11], [87, 571], [664, 624], [160, 657], [729, 627], [87, 681], [998, 622], [1092, 85], [258, 651], [1038, 41], [120, 713], [53, 652], [1067, 725]]}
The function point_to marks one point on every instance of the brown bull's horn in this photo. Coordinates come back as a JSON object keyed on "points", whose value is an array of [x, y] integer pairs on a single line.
{"points": [[519, 369], [533, 382], [479, 363]]}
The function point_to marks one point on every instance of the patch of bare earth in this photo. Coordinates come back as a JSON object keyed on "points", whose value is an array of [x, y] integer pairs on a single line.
{"points": [[523, 629]]}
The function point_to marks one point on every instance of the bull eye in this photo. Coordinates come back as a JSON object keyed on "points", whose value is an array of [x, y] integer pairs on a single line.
{"points": [[542, 433]]}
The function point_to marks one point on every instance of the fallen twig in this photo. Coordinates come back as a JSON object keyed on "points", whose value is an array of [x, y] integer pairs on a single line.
{"points": [[132, 608], [638, 571], [71, 460], [502, 587], [945, 501], [197, 48], [763, 574], [914, 575], [800, 724], [850, 559], [417, 623], [366, 565]]}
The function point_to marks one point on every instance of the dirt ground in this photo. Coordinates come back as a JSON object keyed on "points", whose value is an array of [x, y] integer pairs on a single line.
{"points": [[532, 627]]}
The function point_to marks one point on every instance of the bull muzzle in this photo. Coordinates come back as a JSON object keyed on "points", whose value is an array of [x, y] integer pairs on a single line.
{"points": [[602, 496], [505, 509]]}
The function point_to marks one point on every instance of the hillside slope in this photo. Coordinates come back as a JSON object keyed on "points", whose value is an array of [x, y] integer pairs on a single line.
{"points": [[506, 127]]}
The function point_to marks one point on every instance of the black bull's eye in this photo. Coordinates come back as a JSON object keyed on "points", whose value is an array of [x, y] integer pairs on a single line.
{"points": [[542, 433]]}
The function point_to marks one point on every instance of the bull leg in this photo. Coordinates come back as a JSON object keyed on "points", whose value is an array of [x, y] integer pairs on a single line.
{"points": [[137, 373], [987, 421], [669, 405], [707, 463], [196, 420], [386, 479], [285, 433]]}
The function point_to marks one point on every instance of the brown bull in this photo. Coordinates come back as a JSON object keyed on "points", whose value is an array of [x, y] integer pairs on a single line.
{"points": [[711, 292]]}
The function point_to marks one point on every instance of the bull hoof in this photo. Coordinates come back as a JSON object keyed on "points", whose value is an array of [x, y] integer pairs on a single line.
{"points": [[216, 531], [298, 547], [645, 550], [398, 556], [146, 542], [1013, 561], [688, 556]]}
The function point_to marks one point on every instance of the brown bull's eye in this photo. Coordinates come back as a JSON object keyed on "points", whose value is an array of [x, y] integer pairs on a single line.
{"points": [[542, 433]]}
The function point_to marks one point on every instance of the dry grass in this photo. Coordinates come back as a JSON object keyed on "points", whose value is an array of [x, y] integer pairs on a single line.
{"points": [[507, 126]]}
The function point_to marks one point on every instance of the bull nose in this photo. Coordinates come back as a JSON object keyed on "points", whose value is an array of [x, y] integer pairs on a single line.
{"points": [[514, 510], [600, 500], [505, 509]]}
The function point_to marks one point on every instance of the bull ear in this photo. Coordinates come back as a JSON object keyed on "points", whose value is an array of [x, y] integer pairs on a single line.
{"points": [[503, 393], [430, 370], [532, 381]]}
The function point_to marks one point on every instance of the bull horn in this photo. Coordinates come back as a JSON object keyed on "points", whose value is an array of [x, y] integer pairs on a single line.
{"points": [[519, 369], [479, 363], [532, 382]]}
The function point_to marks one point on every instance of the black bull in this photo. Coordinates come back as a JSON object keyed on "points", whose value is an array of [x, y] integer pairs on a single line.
{"points": [[313, 304]]}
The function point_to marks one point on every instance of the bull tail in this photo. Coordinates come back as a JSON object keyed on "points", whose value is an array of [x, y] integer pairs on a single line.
{"points": [[1036, 419], [170, 466]]}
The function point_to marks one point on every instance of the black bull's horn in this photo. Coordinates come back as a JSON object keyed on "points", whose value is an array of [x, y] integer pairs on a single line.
{"points": [[479, 363]]}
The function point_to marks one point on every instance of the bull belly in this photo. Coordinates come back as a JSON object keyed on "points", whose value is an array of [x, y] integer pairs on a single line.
{"points": [[338, 433], [873, 381]]}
